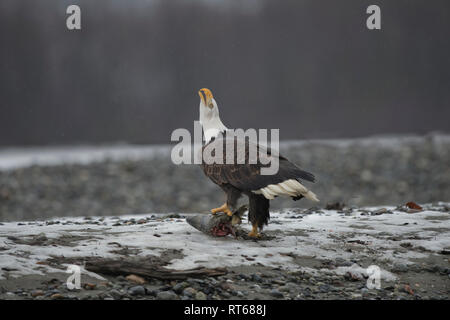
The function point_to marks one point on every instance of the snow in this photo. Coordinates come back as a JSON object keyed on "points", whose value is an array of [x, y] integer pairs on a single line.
{"points": [[322, 235], [12, 158]]}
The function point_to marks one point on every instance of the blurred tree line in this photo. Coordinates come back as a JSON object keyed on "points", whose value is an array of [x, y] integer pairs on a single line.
{"points": [[308, 67]]}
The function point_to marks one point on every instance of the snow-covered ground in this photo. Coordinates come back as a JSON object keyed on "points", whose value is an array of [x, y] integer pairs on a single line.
{"points": [[386, 238]]}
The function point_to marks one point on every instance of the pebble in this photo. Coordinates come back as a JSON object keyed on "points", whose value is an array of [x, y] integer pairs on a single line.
{"points": [[57, 296], [136, 279], [36, 293], [89, 286], [256, 278], [243, 276], [189, 292], [379, 211], [324, 288], [137, 291], [400, 268], [200, 296], [115, 294], [340, 262], [275, 293], [166, 295], [284, 288]]}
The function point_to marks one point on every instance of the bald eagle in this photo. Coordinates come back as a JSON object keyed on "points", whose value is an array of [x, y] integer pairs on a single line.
{"points": [[246, 178]]}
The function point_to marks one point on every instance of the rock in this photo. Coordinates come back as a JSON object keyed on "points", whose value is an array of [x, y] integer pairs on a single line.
{"points": [[115, 294], [200, 296], [284, 288], [256, 278], [279, 281], [275, 293], [49, 293], [136, 279], [398, 267], [180, 286], [89, 286], [306, 292], [36, 293], [352, 276], [324, 288], [364, 291], [120, 278], [243, 276], [41, 237], [189, 292], [56, 296], [226, 286], [166, 295], [137, 291], [379, 211], [443, 270], [172, 216], [255, 286], [407, 288], [340, 262]]}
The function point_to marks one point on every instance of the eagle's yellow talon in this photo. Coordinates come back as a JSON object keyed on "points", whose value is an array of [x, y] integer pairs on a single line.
{"points": [[223, 208], [254, 233]]}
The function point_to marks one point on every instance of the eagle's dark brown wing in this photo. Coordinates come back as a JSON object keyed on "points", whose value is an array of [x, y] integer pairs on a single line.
{"points": [[247, 177]]}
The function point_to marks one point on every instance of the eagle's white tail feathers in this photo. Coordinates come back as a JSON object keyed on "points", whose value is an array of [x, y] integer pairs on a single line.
{"points": [[266, 194], [280, 190], [290, 187]]}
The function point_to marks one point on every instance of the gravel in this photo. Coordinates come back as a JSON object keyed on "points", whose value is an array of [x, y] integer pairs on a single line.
{"points": [[372, 171]]}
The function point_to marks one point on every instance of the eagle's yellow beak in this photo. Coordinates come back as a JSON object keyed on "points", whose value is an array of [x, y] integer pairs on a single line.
{"points": [[206, 96]]}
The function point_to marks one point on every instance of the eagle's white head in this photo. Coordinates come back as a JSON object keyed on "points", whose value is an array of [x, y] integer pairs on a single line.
{"points": [[209, 115]]}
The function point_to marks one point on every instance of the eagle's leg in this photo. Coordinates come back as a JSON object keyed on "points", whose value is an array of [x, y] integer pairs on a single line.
{"points": [[258, 213], [223, 208], [254, 233], [229, 206]]}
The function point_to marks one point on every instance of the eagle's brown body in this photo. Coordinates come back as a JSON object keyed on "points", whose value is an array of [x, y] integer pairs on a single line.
{"points": [[245, 177]]}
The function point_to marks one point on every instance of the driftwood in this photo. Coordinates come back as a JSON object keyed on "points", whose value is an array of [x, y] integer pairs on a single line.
{"points": [[146, 269]]}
